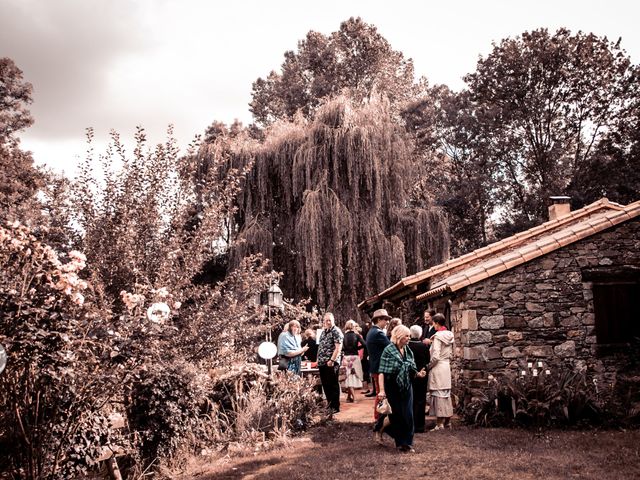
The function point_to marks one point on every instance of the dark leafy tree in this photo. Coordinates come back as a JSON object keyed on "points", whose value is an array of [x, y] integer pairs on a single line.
{"points": [[19, 179], [457, 172], [614, 170], [355, 59], [550, 99], [15, 97]]}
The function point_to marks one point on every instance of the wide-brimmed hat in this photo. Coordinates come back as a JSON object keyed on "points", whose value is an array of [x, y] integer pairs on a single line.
{"points": [[380, 313]]}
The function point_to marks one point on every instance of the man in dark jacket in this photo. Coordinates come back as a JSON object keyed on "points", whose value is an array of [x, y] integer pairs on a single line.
{"points": [[428, 330], [376, 343], [421, 356]]}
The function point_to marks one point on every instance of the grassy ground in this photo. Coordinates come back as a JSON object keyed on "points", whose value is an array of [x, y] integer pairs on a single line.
{"points": [[346, 450]]}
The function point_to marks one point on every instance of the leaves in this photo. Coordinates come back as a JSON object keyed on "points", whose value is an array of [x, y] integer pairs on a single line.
{"points": [[565, 397], [356, 60], [552, 97]]}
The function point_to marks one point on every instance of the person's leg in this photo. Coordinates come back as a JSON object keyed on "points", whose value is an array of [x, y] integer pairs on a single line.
{"points": [[379, 424], [419, 403], [366, 377], [401, 418], [406, 429], [325, 380], [374, 386], [334, 388], [374, 378]]}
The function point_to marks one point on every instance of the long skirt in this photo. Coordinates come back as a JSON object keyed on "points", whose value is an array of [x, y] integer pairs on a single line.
{"points": [[440, 403], [352, 364], [401, 418]]}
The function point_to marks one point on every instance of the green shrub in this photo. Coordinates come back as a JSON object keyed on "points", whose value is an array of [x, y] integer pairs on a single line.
{"points": [[166, 407], [178, 408], [252, 405], [535, 398]]}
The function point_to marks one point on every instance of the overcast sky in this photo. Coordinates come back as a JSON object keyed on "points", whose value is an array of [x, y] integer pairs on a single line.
{"points": [[115, 64]]}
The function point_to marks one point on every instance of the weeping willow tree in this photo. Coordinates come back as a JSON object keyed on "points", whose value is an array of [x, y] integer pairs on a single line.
{"points": [[326, 200]]}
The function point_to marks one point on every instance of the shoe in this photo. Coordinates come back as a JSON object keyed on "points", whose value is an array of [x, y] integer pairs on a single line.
{"points": [[350, 400], [437, 427], [377, 437], [372, 394], [406, 449], [365, 392]]}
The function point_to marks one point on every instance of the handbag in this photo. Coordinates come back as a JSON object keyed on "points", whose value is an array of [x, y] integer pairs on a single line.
{"points": [[283, 362], [383, 407]]}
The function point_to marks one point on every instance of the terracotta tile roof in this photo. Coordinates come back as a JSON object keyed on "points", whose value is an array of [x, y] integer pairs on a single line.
{"points": [[409, 284], [549, 243]]}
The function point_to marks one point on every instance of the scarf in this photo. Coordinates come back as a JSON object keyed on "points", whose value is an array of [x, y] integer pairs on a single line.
{"points": [[394, 363]]}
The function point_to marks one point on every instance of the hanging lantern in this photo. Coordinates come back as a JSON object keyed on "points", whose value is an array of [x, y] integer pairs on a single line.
{"points": [[274, 297]]}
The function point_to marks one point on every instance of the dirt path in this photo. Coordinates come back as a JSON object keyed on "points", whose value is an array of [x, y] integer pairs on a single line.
{"points": [[343, 448]]}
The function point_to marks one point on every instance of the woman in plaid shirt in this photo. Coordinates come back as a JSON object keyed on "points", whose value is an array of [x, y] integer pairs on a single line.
{"points": [[397, 367]]}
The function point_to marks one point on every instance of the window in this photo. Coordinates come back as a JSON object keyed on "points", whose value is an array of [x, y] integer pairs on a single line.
{"points": [[617, 312], [616, 303]]}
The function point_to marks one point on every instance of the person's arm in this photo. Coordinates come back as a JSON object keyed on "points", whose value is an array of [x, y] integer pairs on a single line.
{"points": [[290, 347], [381, 393], [435, 353], [335, 354], [295, 353]]}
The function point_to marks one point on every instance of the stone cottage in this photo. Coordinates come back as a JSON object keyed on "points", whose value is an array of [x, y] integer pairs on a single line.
{"points": [[566, 291]]}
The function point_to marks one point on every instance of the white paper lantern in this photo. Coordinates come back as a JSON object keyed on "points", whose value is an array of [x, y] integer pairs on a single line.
{"points": [[267, 350], [158, 312]]}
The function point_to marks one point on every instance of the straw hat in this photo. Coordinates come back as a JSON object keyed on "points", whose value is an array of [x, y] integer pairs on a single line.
{"points": [[380, 313]]}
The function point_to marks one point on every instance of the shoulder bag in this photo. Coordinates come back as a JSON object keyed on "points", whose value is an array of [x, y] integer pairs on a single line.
{"points": [[283, 362]]}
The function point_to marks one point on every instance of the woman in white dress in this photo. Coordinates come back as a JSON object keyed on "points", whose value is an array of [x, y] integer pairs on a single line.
{"points": [[353, 342], [440, 373]]}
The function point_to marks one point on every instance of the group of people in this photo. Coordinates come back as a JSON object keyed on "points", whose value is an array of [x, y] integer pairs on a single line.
{"points": [[406, 365]]}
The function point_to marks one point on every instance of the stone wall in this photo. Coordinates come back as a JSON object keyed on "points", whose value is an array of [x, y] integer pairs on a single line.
{"points": [[539, 311]]}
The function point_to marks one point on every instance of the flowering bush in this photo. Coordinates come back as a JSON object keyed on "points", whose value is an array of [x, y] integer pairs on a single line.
{"points": [[54, 387], [133, 323]]}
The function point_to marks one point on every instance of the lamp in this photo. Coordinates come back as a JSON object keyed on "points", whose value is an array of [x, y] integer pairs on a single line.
{"points": [[274, 297], [3, 358]]}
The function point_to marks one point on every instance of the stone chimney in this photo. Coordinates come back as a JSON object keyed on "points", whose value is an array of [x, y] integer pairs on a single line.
{"points": [[559, 207]]}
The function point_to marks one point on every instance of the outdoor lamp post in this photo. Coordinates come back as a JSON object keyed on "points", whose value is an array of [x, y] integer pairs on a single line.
{"points": [[274, 299]]}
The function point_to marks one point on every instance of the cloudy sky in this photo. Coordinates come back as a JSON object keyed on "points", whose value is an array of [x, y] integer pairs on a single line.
{"points": [[115, 64]]}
